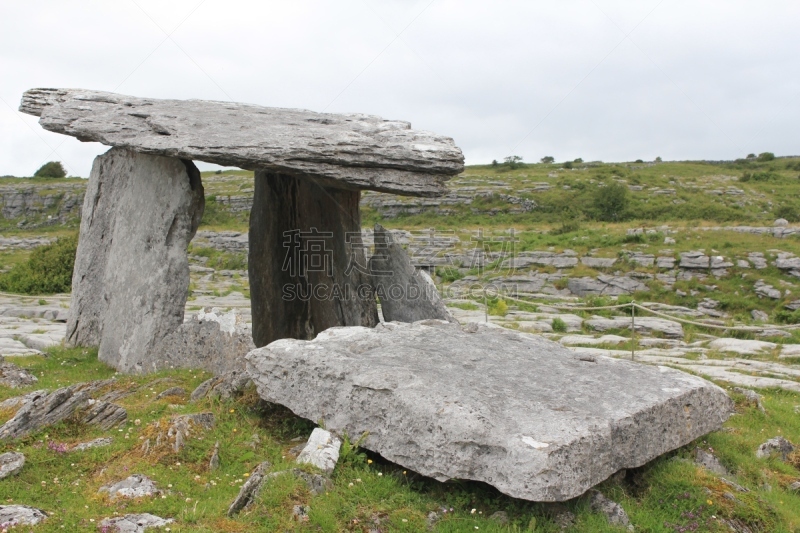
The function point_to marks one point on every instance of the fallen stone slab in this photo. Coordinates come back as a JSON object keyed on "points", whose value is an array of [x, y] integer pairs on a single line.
{"points": [[15, 377], [321, 450], [133, 523], [352, 151], [225, 386], [135, 486], [20, 515], [11, 463], [406, 294], [105, 415], [741, 346], [211, 340], [16, 402], [517, 411], [15, 348]]}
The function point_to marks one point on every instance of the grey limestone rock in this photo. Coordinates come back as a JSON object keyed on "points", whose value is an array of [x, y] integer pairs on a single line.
{"points": [[694, 260], [516, 411], [135, 486], [644, 325], [752, 396], [598, 262], [15, 377], [20, 515], [406, 294], [11, 463], [131, 275], [613, 511], [350, 151], [106, 415], [250, 488], [210, 340], [172, 392], [47, 409], [775, 445], [134, 523], [321, 450], [759, 316], [764, 290], [225, 386], [95, 443], [710, 461]]}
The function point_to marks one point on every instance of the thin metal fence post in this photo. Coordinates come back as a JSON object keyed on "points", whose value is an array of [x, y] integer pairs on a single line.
{"points": [[485, 307], [633, 329]]}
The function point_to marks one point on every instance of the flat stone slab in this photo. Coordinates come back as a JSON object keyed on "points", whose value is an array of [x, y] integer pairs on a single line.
{"points": [[350, 151], [517, 411]]}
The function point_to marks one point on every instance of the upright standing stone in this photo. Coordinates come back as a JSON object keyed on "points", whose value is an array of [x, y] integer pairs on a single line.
{"points": [[131, 274], [306, 263], [406, 294]]}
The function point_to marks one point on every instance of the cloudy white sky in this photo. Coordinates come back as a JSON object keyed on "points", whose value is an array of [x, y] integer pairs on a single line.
{"points": [[597, 79]]}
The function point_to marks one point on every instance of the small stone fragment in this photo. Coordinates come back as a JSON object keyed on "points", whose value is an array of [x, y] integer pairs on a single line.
{"points": [[316, 483], [213, 463], [172, 391], [300, 512], [183, 425], [321, 451], [96, 443], [15, 377], [613, 511], [224, 386], [710, 462], [775, 445], [11, 463], [501, 517], [759, 316], [20, 515], [133, 523], [135, 486], [751, 396], [795, 486], [250, 488], [18, 401]]}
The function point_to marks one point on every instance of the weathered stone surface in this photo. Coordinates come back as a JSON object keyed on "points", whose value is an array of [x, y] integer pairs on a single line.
{"points": [[306, 263], [516, 411], [174, 392], [47, 409], [605, 285], [598, 262], [224, 386], [777, 445], [752, 396], [250, 489], [16, 402], [668, 328], [135, 486], [20, 515], [15, 377], [406, 294], [11, 463], [321, 450], [210, 340], [741, 346], [131, 273], [106, 415], [694, 260], [351, 151], [765, 290], [183, 426], [759, 316], [133, 523]]}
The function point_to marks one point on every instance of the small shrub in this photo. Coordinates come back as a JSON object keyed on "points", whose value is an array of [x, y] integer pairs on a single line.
{"points": [[765, 156], [789, 212], [547, 159], [498, 309], [449, 274], [47, 271], [610, 202], [53, 169], [559, 326], [578, 160], [567, 164], [785, 316]]}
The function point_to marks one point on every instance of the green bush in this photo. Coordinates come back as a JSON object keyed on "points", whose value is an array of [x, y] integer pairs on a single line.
{"points": [[498, 309], [765, 156], [53, 169], [47, 271], [559, 326], [789, 212], [610, 202]]}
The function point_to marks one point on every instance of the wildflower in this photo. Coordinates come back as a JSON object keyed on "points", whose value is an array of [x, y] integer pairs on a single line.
{"points": [[247, 474], [233, 410], [350, 484], [369, 461], [473, 511], [709, 502]]}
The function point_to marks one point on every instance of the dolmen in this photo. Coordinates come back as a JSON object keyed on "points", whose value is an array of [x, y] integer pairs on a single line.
{"points": [[472, 402], [145, 199]]}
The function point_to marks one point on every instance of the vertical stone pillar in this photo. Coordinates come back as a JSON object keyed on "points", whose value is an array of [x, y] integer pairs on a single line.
{"points": [[306, 263], [131, 277]]}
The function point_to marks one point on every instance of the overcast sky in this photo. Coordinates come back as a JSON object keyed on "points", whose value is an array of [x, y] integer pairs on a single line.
{"points": [[597, 79]]}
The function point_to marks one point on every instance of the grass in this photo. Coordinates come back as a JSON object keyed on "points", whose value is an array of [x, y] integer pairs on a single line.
{"points": [[669, 493]]}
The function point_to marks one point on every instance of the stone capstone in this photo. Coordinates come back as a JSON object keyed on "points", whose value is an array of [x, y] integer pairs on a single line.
{"points": [[131, 276], [351, 151], [406, 294], [11, 463], [211, 340], [519, 412]]}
